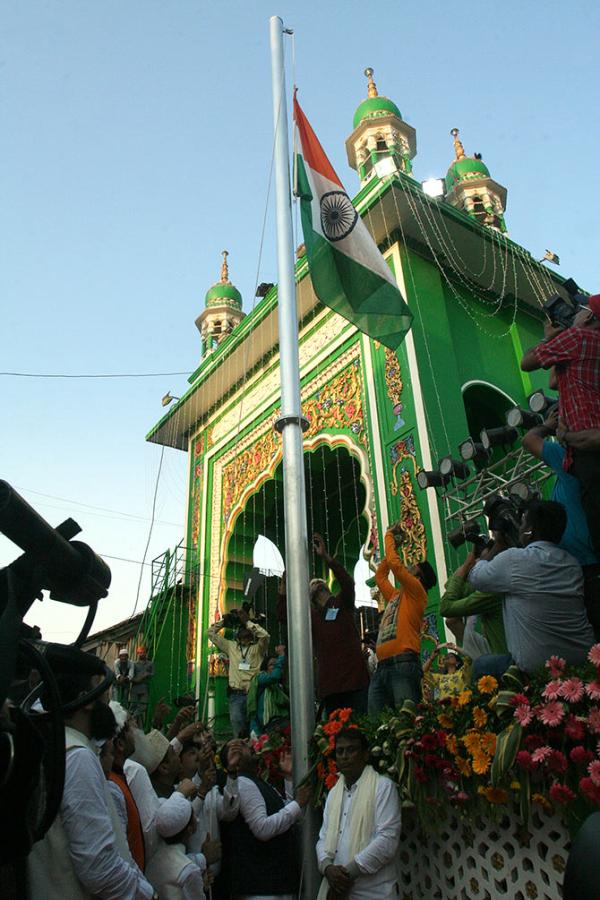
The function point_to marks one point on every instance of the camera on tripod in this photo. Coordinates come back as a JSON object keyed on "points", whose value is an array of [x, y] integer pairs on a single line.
{"points": [[505, 514]]}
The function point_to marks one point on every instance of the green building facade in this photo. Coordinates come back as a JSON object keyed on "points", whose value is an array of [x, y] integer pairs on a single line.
{"points": [[377, 417]]}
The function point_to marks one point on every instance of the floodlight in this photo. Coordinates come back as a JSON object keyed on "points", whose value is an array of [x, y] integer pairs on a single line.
{"points": [[431, 479], [474, 450], [550, 256], [463, 532], [539, 402], [522, 418], [434, 187], [455, 467], [521, 490], [385, 167], [494, 437]]}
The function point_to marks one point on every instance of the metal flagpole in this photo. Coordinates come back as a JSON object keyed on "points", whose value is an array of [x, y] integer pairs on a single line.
{"points": [[291, 425]]}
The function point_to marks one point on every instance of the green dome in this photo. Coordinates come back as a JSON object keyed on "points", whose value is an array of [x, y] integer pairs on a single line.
{"points": [[220, 294], [464, 169], [373, 107]]}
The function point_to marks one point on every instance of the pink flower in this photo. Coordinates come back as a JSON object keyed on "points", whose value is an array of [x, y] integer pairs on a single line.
{"points": [[560, 793], [593, 720], [552, 690], [519, 700], [523, 714], [540, 755], [574, 728], [525, 761], [594, 770], [592, 689], [580, 756], [461, 796], [557, 762], [556, 664], [594, 655], [572, 690], [553, 713]]}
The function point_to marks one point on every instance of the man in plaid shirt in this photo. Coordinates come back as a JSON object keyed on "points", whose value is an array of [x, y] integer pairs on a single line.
{"points": [[575, 352]]}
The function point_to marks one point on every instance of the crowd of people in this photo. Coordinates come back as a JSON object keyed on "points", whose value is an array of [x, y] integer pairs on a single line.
{"points": [[166, 813]]}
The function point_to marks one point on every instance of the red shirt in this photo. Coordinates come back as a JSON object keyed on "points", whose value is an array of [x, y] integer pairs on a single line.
{"points": [[576, 354]]}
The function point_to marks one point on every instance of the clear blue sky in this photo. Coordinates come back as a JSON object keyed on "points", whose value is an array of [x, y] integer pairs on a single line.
{"points": [[136, 140]]}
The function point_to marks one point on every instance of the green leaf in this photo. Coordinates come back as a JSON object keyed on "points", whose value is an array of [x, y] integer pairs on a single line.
{"points": [[507, 745], [504, 701], [525, 798]]}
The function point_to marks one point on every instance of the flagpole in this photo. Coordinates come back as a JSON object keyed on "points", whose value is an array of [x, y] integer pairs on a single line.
{"points": [[290, 424]]}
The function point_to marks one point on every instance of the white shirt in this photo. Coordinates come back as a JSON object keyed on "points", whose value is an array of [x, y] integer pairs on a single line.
{"points": [[146, 800], [544, 611], [89, 831], [216, 807], [377, 861], [254, 812]]}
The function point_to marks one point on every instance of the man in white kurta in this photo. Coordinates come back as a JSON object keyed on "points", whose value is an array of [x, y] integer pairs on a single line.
{"points": [[358, 841]]}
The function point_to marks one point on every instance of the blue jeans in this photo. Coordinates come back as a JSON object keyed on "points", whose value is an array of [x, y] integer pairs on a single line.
{"points": [[237, 712], [395, 680], [491, 664]]}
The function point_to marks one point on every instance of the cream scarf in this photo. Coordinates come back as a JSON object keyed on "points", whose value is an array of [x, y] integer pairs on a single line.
{"points": [[362, 817]]}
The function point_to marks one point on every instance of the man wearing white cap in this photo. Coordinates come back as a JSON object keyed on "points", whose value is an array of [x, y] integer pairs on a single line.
{"points": [[170, 871]]}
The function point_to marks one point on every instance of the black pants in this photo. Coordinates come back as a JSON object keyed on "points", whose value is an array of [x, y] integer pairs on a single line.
{"points": [[586, 469]]}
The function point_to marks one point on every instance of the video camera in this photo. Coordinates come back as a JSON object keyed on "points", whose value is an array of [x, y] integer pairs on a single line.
{"points": [[562, 312], [504, 515], [32, 743], [232, 619]]}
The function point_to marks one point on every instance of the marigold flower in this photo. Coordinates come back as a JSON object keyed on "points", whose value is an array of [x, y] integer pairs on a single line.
{"points": [[331, 781], [464, 697], [487, 684], [539, 798], [480, 717], [471, 740], [560, 793], [445, 720], [481, 763], [451, 744], [488, 742], [495, 795], [463, 765]]}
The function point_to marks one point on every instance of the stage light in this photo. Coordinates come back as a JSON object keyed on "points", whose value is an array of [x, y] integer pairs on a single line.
{"points": [[431, 479], [539, 402], [385, 167], [434, 187], [550, 256], [522, 418], [469, 529], [521, 490], [494, 437], [456, 467], [473, 450]]}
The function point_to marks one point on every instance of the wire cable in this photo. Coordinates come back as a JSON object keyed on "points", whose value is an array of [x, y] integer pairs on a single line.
{"points": [[139, 587], [91, 375]]}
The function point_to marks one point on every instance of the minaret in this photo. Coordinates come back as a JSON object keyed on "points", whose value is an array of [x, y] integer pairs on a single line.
{"points": [[223, 311], [381, 143], [470, 187]]}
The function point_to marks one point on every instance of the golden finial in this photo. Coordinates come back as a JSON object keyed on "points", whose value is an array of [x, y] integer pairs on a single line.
{"points": [[225, 268], [372, 88], [458, 147]]}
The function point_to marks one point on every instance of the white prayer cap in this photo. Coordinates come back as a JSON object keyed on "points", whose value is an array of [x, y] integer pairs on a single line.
{"points": [[173, 815], [123, 651], [120, 715], [150, 749]]}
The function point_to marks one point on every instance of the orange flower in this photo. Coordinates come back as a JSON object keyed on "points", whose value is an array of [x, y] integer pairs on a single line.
{"points": [[539, 798], [488, 742], [464, 697], [481, 763], [471, 740], [445, 720], [494, 794], [332, 727], [463, 765], [320, 770], [344, 714], [487, 684], [479, 717], [451, 744], [330, 781], [454, 701]]}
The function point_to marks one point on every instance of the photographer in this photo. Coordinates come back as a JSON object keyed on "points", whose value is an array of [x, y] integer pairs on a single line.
{"points": [[398, 674], [460, 600], [81, 855], [544, 611], [576, 538], [245, 657], [575, 352]]}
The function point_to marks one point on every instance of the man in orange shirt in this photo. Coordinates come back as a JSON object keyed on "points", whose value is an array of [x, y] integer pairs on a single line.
{"points": [[399, 673]]}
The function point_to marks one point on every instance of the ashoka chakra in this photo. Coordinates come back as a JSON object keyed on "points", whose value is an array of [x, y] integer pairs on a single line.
{"points": [[338, 216]]}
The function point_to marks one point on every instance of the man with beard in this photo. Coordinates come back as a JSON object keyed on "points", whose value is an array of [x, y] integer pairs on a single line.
{"points": [[82, 855], [123, 747]]}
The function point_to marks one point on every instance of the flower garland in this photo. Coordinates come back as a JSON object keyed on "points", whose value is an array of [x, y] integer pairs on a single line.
{"points": [[524, 740]]}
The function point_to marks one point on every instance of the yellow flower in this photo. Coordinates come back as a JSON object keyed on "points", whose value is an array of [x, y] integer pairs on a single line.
{"points": [[445, 720], [464, 697], [515, 786], [451, 744], [463, 765], [487, 684], [539, 798], [495, 795], [471, 740], [454, 701], [479, 717], [481, 763]]}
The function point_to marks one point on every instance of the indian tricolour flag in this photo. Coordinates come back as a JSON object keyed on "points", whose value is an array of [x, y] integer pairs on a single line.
{"points": [[348, 272]]}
